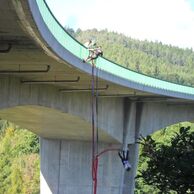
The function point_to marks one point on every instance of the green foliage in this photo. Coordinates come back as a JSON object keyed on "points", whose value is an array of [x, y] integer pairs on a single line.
{"points": [[16, 185], [4, 125], [28, 144], [169, 167], [70, 31], [19, 160], [30, 169], [153, 58]]}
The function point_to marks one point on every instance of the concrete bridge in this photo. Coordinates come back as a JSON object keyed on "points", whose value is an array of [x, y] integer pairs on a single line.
{"points": [[45, 87]]}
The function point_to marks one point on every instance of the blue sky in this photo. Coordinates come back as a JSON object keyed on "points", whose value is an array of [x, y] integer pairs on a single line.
{"points": [[191, 3], [168, 21]]}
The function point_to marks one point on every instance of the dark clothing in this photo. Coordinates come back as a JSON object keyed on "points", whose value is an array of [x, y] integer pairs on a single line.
{"points": [[94, 53], [124, 156]]}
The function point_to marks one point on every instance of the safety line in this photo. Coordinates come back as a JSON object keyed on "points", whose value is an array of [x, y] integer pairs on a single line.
{"points": [[97, 137], [93, 134]]}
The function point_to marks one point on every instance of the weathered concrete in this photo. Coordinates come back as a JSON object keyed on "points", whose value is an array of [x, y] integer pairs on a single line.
{"points": [[135, 114], [132, 116], [111, 119], [65, 118], [66, 168], [159, 115], [30, 100], [129, 124]]}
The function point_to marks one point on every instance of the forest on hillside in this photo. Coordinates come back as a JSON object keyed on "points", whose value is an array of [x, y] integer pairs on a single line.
{"points": [[155, 59], [19, 148], [19, 160]]}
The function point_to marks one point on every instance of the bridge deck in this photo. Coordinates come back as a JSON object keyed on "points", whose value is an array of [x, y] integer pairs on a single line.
{"points": [[38, 40]]}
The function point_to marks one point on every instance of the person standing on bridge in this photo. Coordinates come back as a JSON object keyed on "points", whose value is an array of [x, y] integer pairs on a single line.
{"points": [[94, 53]]}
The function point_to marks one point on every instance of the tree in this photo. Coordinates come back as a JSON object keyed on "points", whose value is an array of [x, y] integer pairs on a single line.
{"points": [[19, 160], [70, 31], [170, 167], [16, 185], [151, 58]]}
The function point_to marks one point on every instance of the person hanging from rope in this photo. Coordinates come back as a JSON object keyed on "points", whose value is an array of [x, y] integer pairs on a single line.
{"points": [[94, 53], [124, 156]]}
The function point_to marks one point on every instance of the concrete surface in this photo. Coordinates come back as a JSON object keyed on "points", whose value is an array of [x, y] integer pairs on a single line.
{"points": [[63, 120]]}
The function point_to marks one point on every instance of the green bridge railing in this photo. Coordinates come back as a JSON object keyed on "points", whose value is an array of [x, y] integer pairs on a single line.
{"points": [[77, 49]]}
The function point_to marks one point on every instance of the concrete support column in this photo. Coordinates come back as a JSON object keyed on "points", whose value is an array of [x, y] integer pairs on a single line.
{"points": [[129, 177], [134, 158], [66, 168], [129, 123], [131, 130]]}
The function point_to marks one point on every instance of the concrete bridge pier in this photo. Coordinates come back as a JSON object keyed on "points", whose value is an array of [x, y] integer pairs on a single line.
{"points": [[66, 168], [131, 130], [31, 97], [66, 164]]}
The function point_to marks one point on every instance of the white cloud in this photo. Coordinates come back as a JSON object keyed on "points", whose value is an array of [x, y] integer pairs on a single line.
{"points": [[168, 21]]}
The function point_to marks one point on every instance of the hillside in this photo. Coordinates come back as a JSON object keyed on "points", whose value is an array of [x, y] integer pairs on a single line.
{"points": [[152, 58], [19, 160], [19, 148]]}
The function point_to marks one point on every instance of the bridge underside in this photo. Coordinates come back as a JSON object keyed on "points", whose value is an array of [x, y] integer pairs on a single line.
{"points": [[28, 54], [50, 123], [42, 91]]}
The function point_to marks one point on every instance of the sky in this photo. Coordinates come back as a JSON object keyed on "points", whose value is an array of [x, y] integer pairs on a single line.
{"points": [[166, 21]]}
